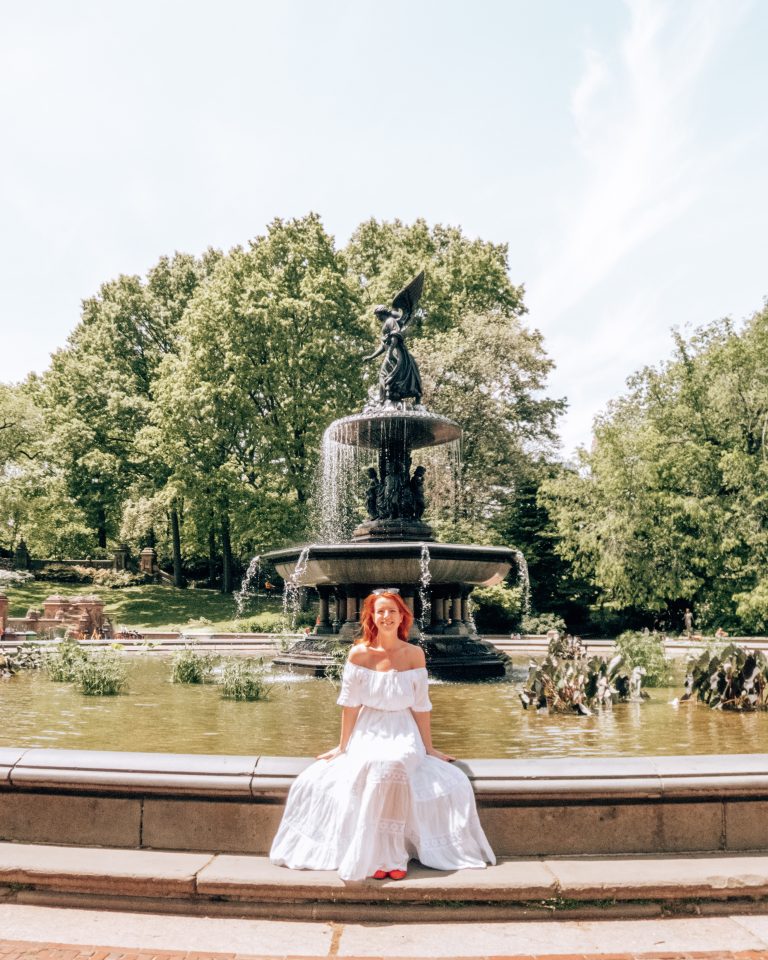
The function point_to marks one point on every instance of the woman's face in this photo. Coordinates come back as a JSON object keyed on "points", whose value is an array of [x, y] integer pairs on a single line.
{"points": [[386, 615]]}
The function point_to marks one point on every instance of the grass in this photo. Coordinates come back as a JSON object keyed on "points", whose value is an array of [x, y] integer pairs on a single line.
{"points": [[152, 606]]}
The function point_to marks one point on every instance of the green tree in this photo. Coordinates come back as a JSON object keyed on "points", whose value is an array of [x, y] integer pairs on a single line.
{"points": [[99, 391], [264, 366], [669, 508]]}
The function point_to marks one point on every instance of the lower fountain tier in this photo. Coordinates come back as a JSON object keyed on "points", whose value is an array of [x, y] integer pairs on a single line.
{"points": [[394, 564], [440, 574], [448, 658]]}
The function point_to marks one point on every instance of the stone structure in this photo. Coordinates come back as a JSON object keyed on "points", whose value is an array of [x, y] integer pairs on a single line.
{"points": [[148, 561], [394, 547], [3, 612], [79, 614]]}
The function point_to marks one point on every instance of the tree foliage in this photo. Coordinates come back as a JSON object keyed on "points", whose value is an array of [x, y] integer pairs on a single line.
{"points": [[669, 508]]}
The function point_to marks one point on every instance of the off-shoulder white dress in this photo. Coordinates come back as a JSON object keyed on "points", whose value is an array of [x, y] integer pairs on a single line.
{"points": [[382, 801]]}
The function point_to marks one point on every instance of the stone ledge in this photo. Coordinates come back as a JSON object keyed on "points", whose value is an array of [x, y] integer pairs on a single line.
{"points": [[494, 780], [96, 870], [553, 884]]}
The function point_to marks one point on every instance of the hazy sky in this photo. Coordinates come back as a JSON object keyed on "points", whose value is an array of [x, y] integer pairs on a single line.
{"points": [[618, 148]]}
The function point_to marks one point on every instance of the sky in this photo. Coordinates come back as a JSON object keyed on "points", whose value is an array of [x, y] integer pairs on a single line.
{"points": [[617, 148]]}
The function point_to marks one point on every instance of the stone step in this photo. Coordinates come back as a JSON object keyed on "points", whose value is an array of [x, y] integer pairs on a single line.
{"points": [[227, 885]]}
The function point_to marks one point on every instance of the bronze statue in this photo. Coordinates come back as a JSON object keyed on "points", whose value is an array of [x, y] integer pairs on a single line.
{"points": [[399, 376], [372, 494], [417, 492]]}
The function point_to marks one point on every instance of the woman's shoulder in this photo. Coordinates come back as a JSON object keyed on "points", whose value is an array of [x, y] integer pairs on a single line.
{"points": [[416, 658], [359, 655]]}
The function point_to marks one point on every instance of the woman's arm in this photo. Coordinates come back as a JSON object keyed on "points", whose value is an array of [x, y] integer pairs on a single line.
{"points": [[348, 721], [424, 723]]}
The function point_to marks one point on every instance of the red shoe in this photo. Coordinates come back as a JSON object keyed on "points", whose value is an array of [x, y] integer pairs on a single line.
{"points": [[397, 874], [380, 875]]}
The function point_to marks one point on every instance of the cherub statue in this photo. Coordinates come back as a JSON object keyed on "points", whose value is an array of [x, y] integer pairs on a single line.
{"points": [[399, 376]]}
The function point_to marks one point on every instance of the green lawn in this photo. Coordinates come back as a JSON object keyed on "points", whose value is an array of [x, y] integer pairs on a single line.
{"points": [[150, 606]]}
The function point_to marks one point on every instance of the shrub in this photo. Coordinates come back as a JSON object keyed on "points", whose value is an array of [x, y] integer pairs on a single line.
{"points": [[497, 607], [244, 679], [102, 675], [541, 623], [63, 664], [731, 679], [752, 608], [11, 578], [573, 686], [189, 666], [646, 650]]}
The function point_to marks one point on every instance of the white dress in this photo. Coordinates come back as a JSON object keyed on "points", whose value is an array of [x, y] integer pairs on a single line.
{"points": [[383, 800]]}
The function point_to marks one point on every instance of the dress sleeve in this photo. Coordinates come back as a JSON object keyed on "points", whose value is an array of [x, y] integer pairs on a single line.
{"points": [[421, 701], [350, 688]]}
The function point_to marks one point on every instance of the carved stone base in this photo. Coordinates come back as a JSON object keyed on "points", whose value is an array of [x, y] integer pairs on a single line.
{"points": [[383, 530]]}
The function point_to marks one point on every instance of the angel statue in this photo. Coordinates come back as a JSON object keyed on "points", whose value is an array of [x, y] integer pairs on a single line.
{"points": [[399, 376]]}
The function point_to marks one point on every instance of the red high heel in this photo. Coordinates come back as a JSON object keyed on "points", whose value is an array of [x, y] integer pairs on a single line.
{"points": [[397, 874], [379, 875]]}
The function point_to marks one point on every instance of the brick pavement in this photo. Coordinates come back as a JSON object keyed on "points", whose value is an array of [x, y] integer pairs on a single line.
{"points": [[23, 949]]}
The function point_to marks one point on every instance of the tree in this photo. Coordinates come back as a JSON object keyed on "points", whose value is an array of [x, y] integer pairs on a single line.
{"points": [[264, 366], [669, 507], [99, 390]]}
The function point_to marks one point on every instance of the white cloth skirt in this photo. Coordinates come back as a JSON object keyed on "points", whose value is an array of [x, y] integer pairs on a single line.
{"points": [[380, 804]]}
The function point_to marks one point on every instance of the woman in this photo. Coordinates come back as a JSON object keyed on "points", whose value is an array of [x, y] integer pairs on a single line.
{"points": [[385, 793]]}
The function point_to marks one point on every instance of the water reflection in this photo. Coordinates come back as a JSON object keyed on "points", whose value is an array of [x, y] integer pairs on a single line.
{"points": [[470, 720]]}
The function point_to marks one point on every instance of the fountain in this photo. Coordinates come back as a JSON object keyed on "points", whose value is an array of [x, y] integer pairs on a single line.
{"points": [[393, 547]]}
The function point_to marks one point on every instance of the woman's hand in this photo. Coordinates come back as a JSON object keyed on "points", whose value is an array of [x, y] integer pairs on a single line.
{"points": [[330, 754], [434, 752]]}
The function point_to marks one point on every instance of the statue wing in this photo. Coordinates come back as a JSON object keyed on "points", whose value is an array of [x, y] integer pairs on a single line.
{"points": [[408, 299]]}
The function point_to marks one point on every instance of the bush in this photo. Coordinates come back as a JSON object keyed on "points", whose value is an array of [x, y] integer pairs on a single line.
{"points": [[11, 578], [102, 675], [188, 666], [752, 608], [497, 608], [731, 679], [63, 664], [646, 650], [244, 680], [575, 686], [541, 623]]}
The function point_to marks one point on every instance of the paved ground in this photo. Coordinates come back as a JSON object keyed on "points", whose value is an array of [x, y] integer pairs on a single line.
{"points": [[53, 933]]}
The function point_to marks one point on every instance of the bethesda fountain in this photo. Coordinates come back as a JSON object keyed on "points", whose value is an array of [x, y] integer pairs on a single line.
{"points": [[393, 547]]}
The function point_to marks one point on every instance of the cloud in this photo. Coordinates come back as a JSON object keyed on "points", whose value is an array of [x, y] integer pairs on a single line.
{"points": [[631, 110]]}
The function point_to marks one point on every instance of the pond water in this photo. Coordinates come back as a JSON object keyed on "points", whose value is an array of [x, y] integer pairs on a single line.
{"points": [[302, 719]]}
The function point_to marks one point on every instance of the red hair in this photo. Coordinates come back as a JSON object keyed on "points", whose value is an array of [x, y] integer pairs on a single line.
{"points": [[370, 630]]}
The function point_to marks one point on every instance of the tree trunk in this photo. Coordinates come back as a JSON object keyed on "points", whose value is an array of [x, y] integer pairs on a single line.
{"points": [[226, 555], [212, 557], [101, 526], [178, 574]]}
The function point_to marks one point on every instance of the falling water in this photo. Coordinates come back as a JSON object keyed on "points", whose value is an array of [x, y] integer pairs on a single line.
{"points": [[424, 581], [293, 587], [524, 582], [341, 482], [247, 591]]}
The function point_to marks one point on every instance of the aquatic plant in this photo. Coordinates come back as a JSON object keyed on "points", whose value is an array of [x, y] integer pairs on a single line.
{"points": [[63, 662], [244, 679], [189, 666], [733, 678], [102, 674], [646, 650], [577, 685]]}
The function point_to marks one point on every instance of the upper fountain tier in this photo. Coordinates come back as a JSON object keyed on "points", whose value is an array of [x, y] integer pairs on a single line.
{"points": [[380, 427]]}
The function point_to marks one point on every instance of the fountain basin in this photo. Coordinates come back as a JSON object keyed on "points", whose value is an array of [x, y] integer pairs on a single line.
{"points": [[395, 564], [384, 426]]}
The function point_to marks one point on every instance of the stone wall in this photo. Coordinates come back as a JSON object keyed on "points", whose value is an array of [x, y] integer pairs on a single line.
{"points": [[527, 807]]}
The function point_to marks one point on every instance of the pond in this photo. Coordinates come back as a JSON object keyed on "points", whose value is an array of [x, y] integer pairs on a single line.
{"points": [[302, 719]]}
